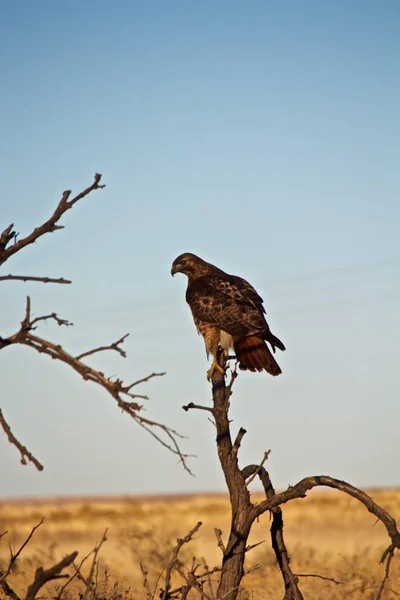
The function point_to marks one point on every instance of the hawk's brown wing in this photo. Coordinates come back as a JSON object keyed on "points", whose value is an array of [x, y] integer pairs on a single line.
{"points": [[225, 304], [247, 290]]}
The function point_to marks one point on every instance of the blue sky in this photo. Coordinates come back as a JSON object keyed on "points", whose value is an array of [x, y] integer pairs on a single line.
{"points": [[265, 138]]}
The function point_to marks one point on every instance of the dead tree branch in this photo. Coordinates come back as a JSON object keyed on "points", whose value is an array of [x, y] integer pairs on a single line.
{"points": [[114, 346], [146, 585], [8, 591], [116, 388], [48, 226], [244, 512], [90, 577], [316, 576], [292, 591], [165, 593], [26, 455], [31, 278], [234, 553], [259, 468], [77, 574], [299, 491], [387, 555], [42, 576], [15, 555]]}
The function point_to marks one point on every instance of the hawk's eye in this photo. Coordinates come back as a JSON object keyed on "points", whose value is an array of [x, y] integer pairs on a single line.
{"points": [[183, 262]]}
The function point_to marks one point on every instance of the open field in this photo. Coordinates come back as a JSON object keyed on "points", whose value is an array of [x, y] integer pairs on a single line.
{"points": [[327, 533]]}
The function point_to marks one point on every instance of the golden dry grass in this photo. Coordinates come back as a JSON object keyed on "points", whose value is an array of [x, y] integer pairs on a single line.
{"points": [[327, 533]]}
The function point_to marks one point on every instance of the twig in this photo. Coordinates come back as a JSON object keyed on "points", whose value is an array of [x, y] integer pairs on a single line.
{"points": [[252, 546], [191, 405], [146, 586], [6, 236], [92, 567], [192, 581], [228, 389], [387, 555], [319, 577], [251, 569], [48, 226], [164, 595], [42, 576], [23, 450], [218, 535], [236, 445], [197, 577], [30, 324], [257, 471], [14, 556], [77, 574], [146, 424], [31, 278], [114, 346]]}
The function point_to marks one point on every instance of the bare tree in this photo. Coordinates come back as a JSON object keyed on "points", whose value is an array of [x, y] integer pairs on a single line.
{"points": [[124, 394], [245, 512]]}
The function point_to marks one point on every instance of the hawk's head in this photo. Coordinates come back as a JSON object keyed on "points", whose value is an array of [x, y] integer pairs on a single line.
{"points": [[189, 264]]}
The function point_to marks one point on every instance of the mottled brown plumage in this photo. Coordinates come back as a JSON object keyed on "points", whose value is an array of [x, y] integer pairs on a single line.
{"points": [[228, 312]]}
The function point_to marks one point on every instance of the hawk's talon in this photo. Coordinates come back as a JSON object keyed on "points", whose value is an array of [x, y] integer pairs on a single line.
{"points": [[215, 366]]}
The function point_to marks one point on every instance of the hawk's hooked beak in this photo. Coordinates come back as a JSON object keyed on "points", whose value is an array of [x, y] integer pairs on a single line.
{"points": [[173, 270]]}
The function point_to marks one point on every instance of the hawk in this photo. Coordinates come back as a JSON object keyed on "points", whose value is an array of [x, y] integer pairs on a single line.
{"points": [[228, 312]]}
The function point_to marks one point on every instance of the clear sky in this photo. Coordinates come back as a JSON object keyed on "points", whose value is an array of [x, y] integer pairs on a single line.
{"points": [[263, 136]]}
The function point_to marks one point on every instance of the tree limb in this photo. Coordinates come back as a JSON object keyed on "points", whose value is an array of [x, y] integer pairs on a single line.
{"points": [[23, 450], [42, 576], [114, 387], [290, 581], [48, 226], [387, 555], [299, 490], [165, 593], [9, 591], [31, 278], [15, 555], [96, 550]]}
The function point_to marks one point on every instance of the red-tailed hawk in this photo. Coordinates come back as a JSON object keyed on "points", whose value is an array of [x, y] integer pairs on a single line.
{"points": [[228, 312]]}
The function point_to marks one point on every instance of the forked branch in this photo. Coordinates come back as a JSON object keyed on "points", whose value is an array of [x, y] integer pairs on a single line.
{"points": [[6, 250], [123, 393], [299, 491], [245, 512], [42, 576]]}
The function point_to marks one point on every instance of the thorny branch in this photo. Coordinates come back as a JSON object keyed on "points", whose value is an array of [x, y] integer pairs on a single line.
{"points": [[122, 393]]}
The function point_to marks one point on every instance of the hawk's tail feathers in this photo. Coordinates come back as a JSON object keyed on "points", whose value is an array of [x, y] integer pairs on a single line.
{"points": [[253, 354], [275, 342]]}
